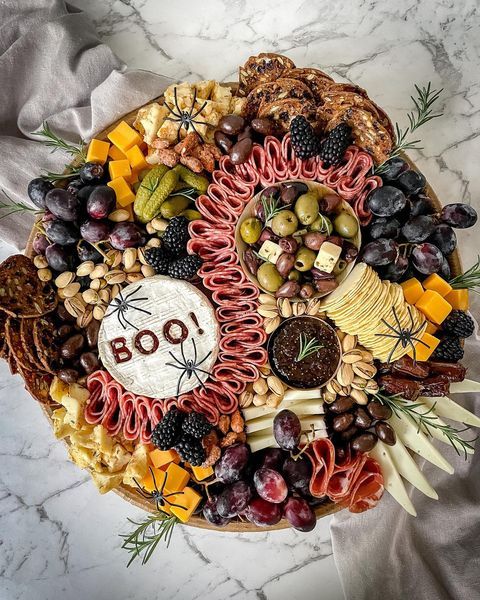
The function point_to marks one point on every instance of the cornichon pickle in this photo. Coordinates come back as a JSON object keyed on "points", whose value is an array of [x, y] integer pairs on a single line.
{"points": [[196, 181], [173, 206], [149, 185], [191, 214], [162, 192]]}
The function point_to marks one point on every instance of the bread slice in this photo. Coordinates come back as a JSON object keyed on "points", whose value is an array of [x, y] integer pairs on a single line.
{"points": [[260, 69], [316, 80], [280, 89], [283, 111]]}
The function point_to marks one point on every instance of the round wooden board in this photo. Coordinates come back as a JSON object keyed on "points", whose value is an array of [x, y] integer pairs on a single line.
{"points": [[128, 493]]}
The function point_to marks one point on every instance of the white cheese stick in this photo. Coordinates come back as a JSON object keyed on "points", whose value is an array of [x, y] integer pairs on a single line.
{"points": [[265, 422], [408, 469], [393, 482], [464, 387], [265, 439], [407, 431], [445, 407], [294, 404], [302, 394]]}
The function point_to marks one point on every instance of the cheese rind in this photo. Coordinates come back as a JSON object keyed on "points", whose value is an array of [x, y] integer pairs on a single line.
{"points": [[327, 257]]}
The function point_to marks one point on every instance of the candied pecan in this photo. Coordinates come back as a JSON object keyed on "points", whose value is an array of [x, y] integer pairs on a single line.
{"points": [[210, 440], [205, 157], [214, 151], [185, 147], [212, 457], [237, 423], [167, 157], [224, 423], [228, 440], [191, 163], [160, 143]]}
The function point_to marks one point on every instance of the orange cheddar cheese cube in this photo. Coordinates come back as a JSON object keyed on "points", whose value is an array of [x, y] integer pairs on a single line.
{"points": [[177, 478], [98, 151], [187, 502], [458, 299], [124, 137], [136, 158], [119, 168], [425, 348], [115, 154], [431, 328], [438, 284], [154, 479], [202, 473], [433, 306], [163, 457], [123, 191], [133, 177], [412, 290]]}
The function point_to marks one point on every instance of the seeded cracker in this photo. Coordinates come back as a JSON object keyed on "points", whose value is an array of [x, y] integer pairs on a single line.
{"points": [[28, 342], [261, 69], [17, 349], [38, 385], [47, 344]]}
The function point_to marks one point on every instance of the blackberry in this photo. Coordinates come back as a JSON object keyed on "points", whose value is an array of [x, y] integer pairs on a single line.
{"points": [[334, 145], [185, 268], [449, 349], [191, 450], [458, 324], [159, 259], [303, 138], [196, 425], [176, 236], [167, 433]]}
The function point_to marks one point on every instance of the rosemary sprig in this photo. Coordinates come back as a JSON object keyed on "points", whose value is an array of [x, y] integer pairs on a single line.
{"points": [[271, 207], [15, 207], [426, 420], [147, 535], [72, 172], [190, 193], [468, 280], [307, 347], [53, 141], [421, 114]]}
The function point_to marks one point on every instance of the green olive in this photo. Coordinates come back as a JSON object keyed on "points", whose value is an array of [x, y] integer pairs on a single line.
{"points": [[322, 224], [304, 259], [346, 225], [173, 206], [251, 230], [306, 208], [284, 223], [294, 275], [268, 277], [339, 267]]}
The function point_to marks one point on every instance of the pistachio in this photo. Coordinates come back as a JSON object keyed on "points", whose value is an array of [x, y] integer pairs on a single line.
{"points": [[286, 308], [153, 243], [74, 306], [95, 285], [299, 308], [64, 279], [129, 258], [90, 296], [372, 386], [266, 311], [147, 271], [40, 261], [85, 268], [141, 256], [134, 277], [359, 396], [275, 385], [333, 386], [266, 299], [260, 386], [44, 274], [352, 356], [115, 289], [349, 342], [105, 295], [265, 370], [159, 224], [99, 271], [150, 229], [364, 369], [271, 323], [312, 306], [273, 400], [359, 383], [345, 375], [135, 268], [99, 312], [119, 215], [114, 258], [366, 356], [345, 391], [115, 276], [71, 290], [329, 397], [259, 399], [246, 398], [85, 319]]}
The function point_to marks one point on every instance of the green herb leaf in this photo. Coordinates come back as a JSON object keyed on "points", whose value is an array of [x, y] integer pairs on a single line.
{"points": [[271, 207], [147, 535], [53, 141], [190, 193], [468, 280], [13, 207], [307, 347]]}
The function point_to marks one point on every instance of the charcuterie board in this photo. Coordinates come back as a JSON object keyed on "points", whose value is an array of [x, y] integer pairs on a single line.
{"points": [[250, 305]]}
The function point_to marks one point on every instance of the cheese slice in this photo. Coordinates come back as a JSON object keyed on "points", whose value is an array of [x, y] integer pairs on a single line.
{"points": [[265, 422], [464, 387], [265, 439], [445, 407], [393, 482], [301, 407], [408, 469], [327, 257], [270, 251], [302, 394], [407, 430]]}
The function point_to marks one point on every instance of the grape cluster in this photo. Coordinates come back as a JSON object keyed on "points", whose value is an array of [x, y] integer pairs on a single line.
{"points": [[76, 217], [406, 237]]}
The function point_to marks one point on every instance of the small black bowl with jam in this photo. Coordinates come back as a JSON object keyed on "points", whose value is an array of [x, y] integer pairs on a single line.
{"points": [[304, 352]]}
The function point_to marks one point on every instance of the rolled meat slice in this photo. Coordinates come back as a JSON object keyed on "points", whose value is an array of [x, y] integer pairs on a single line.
{"points": [[368, 487], [321, 453]]}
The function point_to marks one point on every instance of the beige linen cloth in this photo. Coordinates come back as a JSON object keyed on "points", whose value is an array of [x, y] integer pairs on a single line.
{"points": [[53, 67]]}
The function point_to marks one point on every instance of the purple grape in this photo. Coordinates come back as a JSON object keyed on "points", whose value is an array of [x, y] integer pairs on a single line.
{"points": [[270, 485], [427, 258], [263, 513], [392, 168], [395, 271], [421, 205], [445, 270], [85, 192], [211, 514], [74, 186], [272, 458], [444, 238], [287, 429], [386, 201], [384, 228], [37, 190], [299, 514], [62, 204], [91, 172], [380, 252], [40, 244], [58, 258], [234, 499], [297, 474], [418, 229], [101, 202], [411, 182], [95, 231], [87, 252], [232, 463], [460, 216], [126, 235], [61, 233]]}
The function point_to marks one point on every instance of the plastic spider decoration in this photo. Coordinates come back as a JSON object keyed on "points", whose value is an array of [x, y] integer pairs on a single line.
{"points": [[158, 495], [405, 337], [125, 304], [189, 366], [186, 118]]}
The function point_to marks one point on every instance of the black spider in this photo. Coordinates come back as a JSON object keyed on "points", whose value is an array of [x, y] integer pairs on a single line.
{"points": [[158, 495], [188, 367], [403, 336], [186, 118], [123, 305]]}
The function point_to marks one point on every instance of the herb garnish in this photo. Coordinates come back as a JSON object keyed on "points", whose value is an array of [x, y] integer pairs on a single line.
{"points": [[307, 347], [270, 207], [421, 114], [425, 420], [147, 535], [15, 207], [468, 280], [189, 192]]}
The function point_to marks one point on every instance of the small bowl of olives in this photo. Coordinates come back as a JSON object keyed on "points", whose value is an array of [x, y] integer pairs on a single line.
{"points": [[298, 239]]}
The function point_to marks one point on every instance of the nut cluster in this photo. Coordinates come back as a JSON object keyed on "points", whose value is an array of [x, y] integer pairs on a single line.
{"points": [[229, 431], [355, 376], [267, 389], [273, 310], [191, 152]]}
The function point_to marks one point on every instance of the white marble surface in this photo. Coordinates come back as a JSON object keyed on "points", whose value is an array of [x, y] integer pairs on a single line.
{"points": [[58, 537]]}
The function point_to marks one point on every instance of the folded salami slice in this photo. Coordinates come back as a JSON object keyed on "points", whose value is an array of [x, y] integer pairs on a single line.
{"points": [[215, 212], [321, 453], [344, 477], [368, 487]]}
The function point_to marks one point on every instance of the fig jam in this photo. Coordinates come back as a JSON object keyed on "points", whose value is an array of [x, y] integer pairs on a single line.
{"points": [[308, 369]]}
